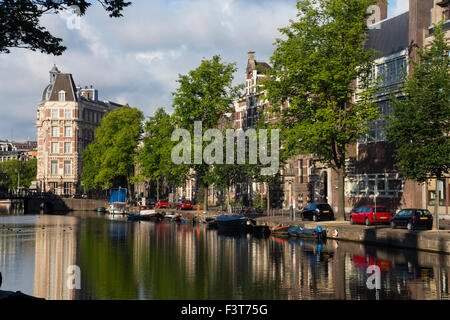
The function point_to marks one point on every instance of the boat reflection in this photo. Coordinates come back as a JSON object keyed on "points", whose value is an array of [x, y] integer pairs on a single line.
{"points": [[146, 260]]}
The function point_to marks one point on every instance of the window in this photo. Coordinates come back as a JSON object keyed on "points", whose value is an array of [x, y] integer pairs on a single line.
{"points": [[61, 96], [67, 168], [54, 167], [67, 147], [446, 13], [55, 147], [377, 128], [68, 113], [300, 171], [442, 193], [68, 132], [67, 187], [405, 213], [385, 185], [55, 114], [55, 132]]}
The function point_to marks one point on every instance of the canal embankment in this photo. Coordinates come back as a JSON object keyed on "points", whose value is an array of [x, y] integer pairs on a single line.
{"points": [[381, 235]]}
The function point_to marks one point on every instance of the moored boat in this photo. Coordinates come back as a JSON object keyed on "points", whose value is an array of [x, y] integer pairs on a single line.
{"points": [[117, 208], [261, 230], [232, 224], [280, 230], [172, 217], [301, 232], [211, 223]]}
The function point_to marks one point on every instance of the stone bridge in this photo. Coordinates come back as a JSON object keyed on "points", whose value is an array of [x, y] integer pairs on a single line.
{"points": [[49, 203]]}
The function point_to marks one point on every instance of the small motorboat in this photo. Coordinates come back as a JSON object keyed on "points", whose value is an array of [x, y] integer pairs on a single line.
{"points": [[301, 232], [101, 209], [232, 224], [261, 230], [146, 213], [117, 208], [192, 220], [280, 230], [211, 223], [134, 217], [171, 217]]}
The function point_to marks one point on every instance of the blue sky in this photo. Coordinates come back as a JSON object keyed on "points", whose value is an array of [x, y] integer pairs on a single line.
{"points": [[137, 59]]}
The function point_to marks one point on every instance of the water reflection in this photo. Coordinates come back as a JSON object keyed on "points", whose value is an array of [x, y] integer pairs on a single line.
{"points": [[145, 260]]}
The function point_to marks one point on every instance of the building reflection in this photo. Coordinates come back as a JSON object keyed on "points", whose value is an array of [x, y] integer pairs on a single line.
{"points": [[146, 260], [55, 250]]}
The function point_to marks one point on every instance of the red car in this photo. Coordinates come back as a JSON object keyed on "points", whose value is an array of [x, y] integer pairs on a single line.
{"points": [[370, 215], [185, 205], [162, 204]]}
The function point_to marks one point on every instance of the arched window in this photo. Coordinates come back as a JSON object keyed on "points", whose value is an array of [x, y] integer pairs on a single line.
{"points": [[62, 96]]}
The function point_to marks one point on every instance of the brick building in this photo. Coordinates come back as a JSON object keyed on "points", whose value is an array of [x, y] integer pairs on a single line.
{"points": [[371, 173], [66, 120]]}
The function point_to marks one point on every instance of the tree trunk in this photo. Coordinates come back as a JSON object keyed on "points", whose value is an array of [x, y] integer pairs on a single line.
{"points": [[205, 200], [268, 198], [230, 211], [157, 189], [129, 189], [436, 207], [340, 216]]}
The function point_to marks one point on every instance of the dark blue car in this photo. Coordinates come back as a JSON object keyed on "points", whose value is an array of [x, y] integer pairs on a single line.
{"points": [[317, 211]]}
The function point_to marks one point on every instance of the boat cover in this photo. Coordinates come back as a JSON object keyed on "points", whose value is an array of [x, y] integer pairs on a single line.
{"points": [[299, 230]]}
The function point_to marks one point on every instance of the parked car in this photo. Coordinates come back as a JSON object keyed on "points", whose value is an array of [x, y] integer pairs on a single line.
{"points": [[150, 202], [317, 211], [185, 205], [162, 204], [412, 219], [370, 215]]}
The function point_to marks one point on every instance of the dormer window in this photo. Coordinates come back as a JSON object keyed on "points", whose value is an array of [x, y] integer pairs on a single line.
{"points": [[62, 96]]}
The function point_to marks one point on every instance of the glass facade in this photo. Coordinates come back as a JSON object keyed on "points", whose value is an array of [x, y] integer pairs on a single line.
{"points": [[385, 185]]}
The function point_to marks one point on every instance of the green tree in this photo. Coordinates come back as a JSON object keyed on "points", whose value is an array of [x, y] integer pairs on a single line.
{"points": [[112, 156], [420, 124], [315, 69], [204, 94], [155, 155], [18, 173], [20, 22]]}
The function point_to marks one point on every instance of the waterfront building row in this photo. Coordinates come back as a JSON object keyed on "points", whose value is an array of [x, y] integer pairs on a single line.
{"points": [[370, 169]]}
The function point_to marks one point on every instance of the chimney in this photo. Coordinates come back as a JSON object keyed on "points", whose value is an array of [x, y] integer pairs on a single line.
{"points": [[251, 56], [378, 12], [419, 21], [383, 5]]}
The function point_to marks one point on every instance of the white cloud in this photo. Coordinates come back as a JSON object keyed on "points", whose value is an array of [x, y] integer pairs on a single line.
{"points": [[137, 59]]}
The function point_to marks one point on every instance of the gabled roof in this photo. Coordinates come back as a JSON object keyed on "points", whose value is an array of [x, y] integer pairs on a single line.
{"points": [[63, 82], [389, 36]]}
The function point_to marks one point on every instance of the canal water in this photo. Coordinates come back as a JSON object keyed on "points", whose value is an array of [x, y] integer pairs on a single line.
{"points": [[146, 260]]}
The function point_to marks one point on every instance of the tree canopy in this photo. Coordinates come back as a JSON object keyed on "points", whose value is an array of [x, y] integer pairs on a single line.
{"points": [[20, 22], [13, 172], [113, 153], [319, 67], [204, 94], [155, 155], [420, 124]]}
